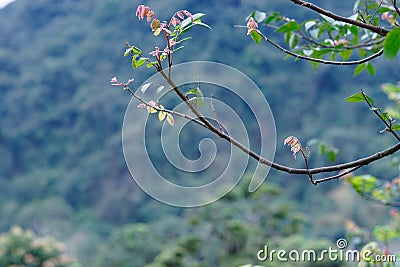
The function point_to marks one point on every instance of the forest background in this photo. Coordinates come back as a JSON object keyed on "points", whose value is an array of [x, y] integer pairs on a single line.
{"points": [[62, 170]]}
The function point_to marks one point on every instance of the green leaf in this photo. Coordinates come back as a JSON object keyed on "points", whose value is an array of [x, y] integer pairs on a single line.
{"points": [[314, 65], [322, 149], [391, 88], [328, 19], [383, 10], [161, 115], [358, 97], [308, 52], [256, 37], [151, 64], [380, 194], [198, 98], [333, 56], [191, 91], [138, 63], [345, 54], [386, 116], [187, 23], [363, 183], [170, 119], [375, 21], [396, 127], [391, 45], [359, 69], [315, 33], [384, 233], [293, 40], [309, 24], [128, 51], [370, 68], [198, 22], [331, 156], [393, 112], [132, 50], [354, 30], [259, 16], [136, 50], [269, 19], [289, 27]]}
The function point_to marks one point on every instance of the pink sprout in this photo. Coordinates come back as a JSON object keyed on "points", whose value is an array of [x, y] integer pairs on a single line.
{"points": [[340, 41], [174, 21], [251, 26], [180, 15], [149, 106], [156, 52], [114, 82], [144, 11], [172, 42], [187, 13], [387, 16], [166, 50]]}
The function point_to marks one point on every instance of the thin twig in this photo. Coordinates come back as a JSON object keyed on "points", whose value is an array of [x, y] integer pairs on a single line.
{"points": [[307, 167], [376, 111], [329, 62], [215, 113], [361, 16], [346, 47], [396, 7], [376, 29], [376, 11], [337, 176], [308, 39], [388, 127]]}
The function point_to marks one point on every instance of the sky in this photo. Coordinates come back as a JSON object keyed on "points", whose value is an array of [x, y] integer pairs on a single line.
{"points": [[3, 3]]}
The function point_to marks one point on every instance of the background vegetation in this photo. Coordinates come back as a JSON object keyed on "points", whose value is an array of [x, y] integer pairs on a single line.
{"points": [[62, 171]]}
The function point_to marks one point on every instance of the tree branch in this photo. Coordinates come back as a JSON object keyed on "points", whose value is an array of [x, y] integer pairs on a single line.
{"points": [[376, 111], [376, 29], [337, 176], [329, 62], [346, 47], [396, 7], [262, 160]]}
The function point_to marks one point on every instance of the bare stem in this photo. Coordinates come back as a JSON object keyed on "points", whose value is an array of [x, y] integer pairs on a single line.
{"points": [[376, 29]]}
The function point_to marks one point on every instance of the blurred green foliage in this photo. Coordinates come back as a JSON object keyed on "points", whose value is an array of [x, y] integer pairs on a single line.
{"points": [[228, 232], [20, 247]]}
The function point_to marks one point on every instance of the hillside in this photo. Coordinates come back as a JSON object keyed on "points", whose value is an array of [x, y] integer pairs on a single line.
{"points": [[62, 171]]}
